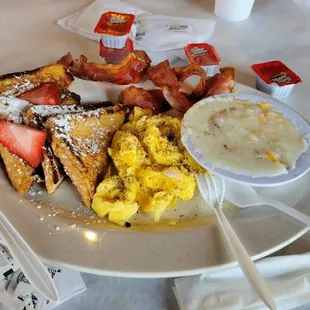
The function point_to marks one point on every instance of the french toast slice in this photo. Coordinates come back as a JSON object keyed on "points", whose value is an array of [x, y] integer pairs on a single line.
{"points": [[53, 172], [68, 97], [19, 172], [35, 116], [12, 109], [81, 142], [14, 84]]}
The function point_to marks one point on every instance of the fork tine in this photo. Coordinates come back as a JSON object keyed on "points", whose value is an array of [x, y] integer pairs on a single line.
{"points": [[221, 198], [203, 188], [211, 190], [214, 185]]}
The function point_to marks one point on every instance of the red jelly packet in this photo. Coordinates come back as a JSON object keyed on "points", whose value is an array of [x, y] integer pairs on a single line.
{"points": [[117, 54], [276, 72], [202, 54], [115, 24]]}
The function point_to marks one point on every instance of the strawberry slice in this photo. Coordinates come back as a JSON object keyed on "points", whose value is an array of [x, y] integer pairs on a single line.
{"points": [[23, 141], [45, 94]]}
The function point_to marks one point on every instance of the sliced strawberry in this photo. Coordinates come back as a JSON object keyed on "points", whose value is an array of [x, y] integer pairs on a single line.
{"points": [[23, 141], [45, 94]]}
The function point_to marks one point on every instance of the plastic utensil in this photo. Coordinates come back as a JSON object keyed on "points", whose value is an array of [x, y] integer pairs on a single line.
{"points": [[212, 190], [244, 196], [28, 261]]}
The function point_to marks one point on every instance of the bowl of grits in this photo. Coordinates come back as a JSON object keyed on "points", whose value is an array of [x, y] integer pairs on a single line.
{"points": [[248, 139]]}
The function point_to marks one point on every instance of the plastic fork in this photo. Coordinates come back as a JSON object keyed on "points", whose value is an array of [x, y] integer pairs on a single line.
{"points": [[212, 190], [244, 196]]}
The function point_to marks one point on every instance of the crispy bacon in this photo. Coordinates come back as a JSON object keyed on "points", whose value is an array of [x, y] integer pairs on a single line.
{"points": [[183, 73], [176, 99], [66, 60], [174, 113], [162, 75], [140, 97], [129, 71], [221, 83], [159, 96]]}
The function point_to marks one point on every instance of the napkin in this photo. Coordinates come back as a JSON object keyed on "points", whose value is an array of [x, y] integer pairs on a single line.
{"points": [[287, 276], [163, 37], [17, 293]]}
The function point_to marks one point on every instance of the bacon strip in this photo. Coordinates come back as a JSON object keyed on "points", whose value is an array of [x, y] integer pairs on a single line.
{"points": [[221, 83], [66, 60], [183, 73], [136, 96], [159, 96], [162, 75], [174, 113], [129, 71], [176, 99]]}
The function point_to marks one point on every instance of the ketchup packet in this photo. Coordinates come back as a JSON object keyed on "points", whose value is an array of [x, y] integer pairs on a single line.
{"points": [[114, 28], [276, 72], [202, 54], [275, 78], [115, 24]]}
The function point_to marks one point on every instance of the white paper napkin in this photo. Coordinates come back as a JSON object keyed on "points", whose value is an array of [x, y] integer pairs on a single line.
{"points": [[287, 276], [18, 294], [170, 39]]}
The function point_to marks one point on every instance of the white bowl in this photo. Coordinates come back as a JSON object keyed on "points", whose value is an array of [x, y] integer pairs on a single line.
{"points": [[195, 143]]}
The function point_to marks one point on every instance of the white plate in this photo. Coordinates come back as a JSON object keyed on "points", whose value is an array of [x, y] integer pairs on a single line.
{"points": [[194, 143], [80, 241]]}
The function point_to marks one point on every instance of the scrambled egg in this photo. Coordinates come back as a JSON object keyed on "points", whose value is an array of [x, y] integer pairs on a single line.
{"points": [[154, 169]]}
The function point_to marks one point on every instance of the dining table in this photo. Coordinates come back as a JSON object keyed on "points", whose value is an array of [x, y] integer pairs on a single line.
{"points": [[275, 30]]}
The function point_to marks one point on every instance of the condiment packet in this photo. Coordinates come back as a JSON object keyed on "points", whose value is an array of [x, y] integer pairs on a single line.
{"points": [[84, 21], [275, 78], [114, 28], [203, 55], [164, 33]]}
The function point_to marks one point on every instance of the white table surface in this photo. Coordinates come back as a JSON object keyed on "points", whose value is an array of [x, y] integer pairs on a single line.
{"points": [[276, 30]]}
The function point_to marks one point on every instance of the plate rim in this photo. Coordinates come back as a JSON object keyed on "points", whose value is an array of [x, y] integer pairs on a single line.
{"points": [[68, 247]]}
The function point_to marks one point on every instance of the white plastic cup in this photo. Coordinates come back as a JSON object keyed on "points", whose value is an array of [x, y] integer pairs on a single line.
{"points": [[233, 10]]}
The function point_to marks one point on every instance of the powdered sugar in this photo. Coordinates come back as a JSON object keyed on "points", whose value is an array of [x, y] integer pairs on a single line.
{"points": [[45, 111], [18, 88], [38, 114], [89, 142], [12, 108]]}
